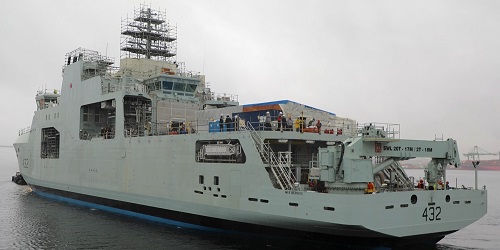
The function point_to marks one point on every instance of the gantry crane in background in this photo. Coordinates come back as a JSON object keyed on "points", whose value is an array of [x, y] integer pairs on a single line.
{"points": [[476, 152]]}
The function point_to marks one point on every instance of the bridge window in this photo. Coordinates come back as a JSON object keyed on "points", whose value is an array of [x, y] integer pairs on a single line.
{"points": [[190, 88], [179, 86], [167, 85]]}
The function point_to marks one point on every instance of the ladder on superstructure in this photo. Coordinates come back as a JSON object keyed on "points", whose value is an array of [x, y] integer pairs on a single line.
{"points": [[280, 165]]}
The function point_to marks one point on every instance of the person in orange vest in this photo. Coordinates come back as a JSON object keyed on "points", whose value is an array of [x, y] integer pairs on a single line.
{"points": [[280, 119], [318, 126], [420, 184], [370, 188]]}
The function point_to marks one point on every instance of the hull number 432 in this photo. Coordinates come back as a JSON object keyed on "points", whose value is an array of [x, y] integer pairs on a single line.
{"points": [[432, 213]]}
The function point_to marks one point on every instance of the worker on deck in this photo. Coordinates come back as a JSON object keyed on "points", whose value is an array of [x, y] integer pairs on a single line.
{"points": [[302, 124], [280, 119], [221, 122], [289, 123], [420, 184], [318, 126], [439, 185], [370, 188], [311, 123], [296, 124], [182, 129], [229, 123], [268, 121]]}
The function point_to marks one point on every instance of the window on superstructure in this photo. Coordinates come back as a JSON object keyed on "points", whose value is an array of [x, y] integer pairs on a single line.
{"points": [[167, 85], [201, 179], [190, 88], [85, 113], [97, 116], [179, 86]]}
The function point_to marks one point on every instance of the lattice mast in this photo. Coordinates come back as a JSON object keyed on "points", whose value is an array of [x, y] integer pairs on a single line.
{"points": [[148, 35]]}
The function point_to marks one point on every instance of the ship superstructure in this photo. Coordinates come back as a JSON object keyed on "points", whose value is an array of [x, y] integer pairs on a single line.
{"points": [[152, 138]]}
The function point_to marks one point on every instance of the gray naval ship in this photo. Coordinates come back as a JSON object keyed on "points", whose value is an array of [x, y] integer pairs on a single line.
{"points": [[150, 139]]}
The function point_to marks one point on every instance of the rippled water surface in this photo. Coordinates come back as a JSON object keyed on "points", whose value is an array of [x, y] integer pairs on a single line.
{"points": [[32, 222]]}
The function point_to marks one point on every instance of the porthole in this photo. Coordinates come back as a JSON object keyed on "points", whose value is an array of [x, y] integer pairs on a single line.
{"points": [[413, 199], [448, 198]]}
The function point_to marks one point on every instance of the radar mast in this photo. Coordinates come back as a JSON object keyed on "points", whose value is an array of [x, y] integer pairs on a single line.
{"points": [[148, 35]]}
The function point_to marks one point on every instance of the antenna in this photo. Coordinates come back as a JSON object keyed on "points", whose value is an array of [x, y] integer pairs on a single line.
{"points": [[204, 51]]}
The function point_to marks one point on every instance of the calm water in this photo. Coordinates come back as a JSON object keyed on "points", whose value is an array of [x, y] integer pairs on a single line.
{"points": [[32, 222]]}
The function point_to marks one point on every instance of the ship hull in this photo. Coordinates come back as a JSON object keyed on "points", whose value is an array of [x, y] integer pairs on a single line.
{"points": [[344, 234], [113, 175]]}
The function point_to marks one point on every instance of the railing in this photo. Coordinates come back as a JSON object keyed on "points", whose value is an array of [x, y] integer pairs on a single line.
{"points": [[390, 131], [210, 126], [26, 130], [326, 129], [280, 166], [128, 87], [219, 97]]}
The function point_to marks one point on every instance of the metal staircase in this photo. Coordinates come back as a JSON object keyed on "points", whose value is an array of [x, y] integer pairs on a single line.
{"points": [[279, 165], [402, 178]]}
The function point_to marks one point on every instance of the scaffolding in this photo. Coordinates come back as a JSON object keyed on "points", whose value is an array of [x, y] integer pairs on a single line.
{"points": [[148, 35], [95, 64]]}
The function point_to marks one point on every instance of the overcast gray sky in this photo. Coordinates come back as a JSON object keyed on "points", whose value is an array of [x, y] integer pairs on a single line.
{"points": [[431, 66]]}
